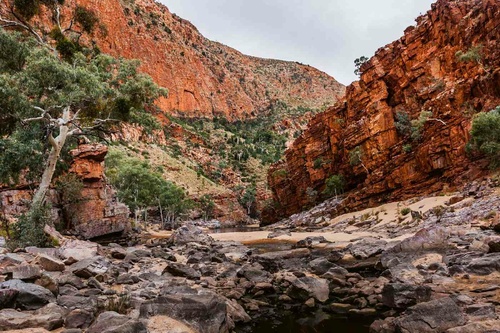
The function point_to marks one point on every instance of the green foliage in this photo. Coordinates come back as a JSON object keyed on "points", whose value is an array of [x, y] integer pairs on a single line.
{"points": [[407, 148], [27, 8], [485, 135], [86, 18], [207, 206], [358, 63], [38, 78], [28, 230], [417, 125], [356, 156], [473, 54], [248, 198], [403, 123], [405, 211], [12, 54], [69, 189], [334, 185], [318, 163], [140, 187]]}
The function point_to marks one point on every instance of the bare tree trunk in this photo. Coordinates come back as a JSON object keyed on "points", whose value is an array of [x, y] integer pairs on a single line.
{"points": [[57, 144]]}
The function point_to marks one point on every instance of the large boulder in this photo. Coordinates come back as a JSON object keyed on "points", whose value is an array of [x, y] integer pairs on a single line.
{"points": [[50, 317], [29, 296], [367, 248], [90, 267], [306, 287], [201, 309], [78, 250], [190, 234], [402, 295], [431, 317], [112, 322]]}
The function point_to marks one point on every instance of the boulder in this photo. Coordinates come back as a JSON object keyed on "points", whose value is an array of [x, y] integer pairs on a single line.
{"points": [[49, 317], [26, 272], [50, 263], [320, 266], [29, 296], [78, 250], [87, 268], [182, 270], [203, 310], [306, 287], [189, 234], [401, 295], [112, 322], [431, 317], [367, 248]]}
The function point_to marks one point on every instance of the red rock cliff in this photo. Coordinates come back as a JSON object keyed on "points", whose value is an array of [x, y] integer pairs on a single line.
{"points": [[204, 78], [419, 72]]}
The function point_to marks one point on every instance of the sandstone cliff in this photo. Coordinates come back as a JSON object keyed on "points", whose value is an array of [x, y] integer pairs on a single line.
{"points": [[204, 78], [419, 72]]}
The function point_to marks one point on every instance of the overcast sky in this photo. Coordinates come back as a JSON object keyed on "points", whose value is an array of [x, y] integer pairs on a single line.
{"points": [[326, 34]]}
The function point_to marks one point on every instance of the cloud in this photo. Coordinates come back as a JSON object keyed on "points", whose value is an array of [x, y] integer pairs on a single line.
{"points": [[326, 34]]}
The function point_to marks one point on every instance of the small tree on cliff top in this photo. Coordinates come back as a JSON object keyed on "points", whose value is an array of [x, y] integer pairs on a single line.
{"points": [[45, 101]]}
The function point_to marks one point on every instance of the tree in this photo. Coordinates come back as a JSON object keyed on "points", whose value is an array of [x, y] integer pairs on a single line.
{"points": [[140, 188], [485, 135], [207, 206], [358, 62], [334, 185], [47, 101], [248, 198], [356, 157]]}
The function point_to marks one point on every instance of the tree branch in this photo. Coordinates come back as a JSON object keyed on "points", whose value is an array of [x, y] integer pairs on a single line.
{"points": [[437, 119]]}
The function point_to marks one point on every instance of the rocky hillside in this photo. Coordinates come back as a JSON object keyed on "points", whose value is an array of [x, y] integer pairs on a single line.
{"points": [[204, 78], [402, 128]]}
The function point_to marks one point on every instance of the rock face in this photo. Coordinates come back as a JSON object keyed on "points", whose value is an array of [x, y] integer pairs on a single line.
{"points": [[419, 72], [204, 78], [97, 214]]}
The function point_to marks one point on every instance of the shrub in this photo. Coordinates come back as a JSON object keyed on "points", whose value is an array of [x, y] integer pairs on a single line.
{"points": [[407, 148], [28, 230], [485, 135], [405, 211], [473, 54], [403, 124], [334, 185], [417, 125], [355, 156], [86, 18], [318, 163]]}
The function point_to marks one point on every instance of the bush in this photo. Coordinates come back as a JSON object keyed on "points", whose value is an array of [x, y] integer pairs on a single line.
{"points": [[334, 185], [28, 231], [86, 18], [485, 135], [407, 148], [403, 124], [405, 211], [355, 156], [473, 54]]}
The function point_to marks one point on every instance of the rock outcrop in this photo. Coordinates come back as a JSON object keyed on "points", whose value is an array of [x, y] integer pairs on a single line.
{"points": [[204, 78], [97, 213], [420, 72]]}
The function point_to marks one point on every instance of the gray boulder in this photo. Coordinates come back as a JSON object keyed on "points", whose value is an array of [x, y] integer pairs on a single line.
{"points": [[112, 322], [431, 317], [29, 296]]}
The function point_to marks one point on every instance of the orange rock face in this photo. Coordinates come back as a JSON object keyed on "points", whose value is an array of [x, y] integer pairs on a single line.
{"points": [[99, 213], [204, 78], [419, 72]]}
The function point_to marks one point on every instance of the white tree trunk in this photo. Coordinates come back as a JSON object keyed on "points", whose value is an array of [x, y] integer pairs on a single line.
{"points": [[57, 144]]}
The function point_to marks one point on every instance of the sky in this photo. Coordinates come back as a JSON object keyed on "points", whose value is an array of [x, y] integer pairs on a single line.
{"points": [[326, 34]]}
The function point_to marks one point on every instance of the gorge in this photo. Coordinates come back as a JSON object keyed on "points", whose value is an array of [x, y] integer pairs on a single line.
{"points": [[405, 239]]}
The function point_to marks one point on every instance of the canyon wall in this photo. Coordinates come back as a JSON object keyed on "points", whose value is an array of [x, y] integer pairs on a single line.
{"points": [[204, 78], [418, 73]]}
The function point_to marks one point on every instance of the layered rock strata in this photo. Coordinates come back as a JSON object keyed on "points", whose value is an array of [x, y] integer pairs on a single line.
{"points": [[417, 75]]}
